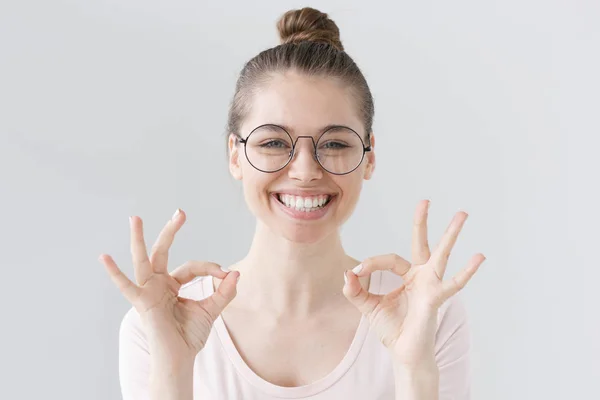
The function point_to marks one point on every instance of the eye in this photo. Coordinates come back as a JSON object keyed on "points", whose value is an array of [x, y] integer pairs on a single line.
{"points": [[278, 144], [335, 145]]}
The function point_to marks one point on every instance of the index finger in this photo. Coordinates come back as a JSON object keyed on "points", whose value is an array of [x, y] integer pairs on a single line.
{"points": [[392, 262], [192, 269]]}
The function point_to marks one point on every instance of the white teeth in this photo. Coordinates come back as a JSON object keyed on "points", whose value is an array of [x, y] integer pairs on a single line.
{"points": [[305, 204]]}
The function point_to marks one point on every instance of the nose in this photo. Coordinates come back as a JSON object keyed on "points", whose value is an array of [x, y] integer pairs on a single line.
{"points": [[304, 165]]}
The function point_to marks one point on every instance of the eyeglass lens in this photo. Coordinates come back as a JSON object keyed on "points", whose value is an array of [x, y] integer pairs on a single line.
{"points": [[339, 150]]}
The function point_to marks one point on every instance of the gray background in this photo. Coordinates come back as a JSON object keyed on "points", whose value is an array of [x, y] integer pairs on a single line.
{"points": [[115, 108]]}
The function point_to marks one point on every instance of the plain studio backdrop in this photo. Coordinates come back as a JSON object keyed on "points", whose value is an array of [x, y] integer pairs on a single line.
{"points": [[116, 108]]}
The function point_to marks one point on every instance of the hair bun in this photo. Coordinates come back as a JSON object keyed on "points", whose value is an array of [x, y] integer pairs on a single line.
{"points": [[308, 24]]}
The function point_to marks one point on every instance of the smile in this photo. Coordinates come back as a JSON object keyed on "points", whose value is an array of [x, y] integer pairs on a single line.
{"points": [[304, 207], [304, 204]]}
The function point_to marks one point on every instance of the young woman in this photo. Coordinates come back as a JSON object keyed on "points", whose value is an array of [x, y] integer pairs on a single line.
{"points": [[305, 320]]}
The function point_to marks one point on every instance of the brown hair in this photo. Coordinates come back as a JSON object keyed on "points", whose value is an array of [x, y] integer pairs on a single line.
{"points": [[310, 44]]}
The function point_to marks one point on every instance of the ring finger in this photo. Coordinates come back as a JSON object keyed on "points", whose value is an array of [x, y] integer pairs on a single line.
{"points": [[442, 252], [159, 255]]}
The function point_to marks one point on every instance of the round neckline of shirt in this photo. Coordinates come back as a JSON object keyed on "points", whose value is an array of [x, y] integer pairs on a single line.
{"points": [[298, 391]]}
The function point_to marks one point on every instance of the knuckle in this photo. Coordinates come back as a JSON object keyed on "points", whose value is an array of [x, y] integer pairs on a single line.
{"points": [[457, 283], [213, 266], [366, 263]]}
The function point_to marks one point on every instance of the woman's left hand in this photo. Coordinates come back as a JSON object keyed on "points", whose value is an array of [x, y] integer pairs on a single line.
{"points": [[406, 318]]}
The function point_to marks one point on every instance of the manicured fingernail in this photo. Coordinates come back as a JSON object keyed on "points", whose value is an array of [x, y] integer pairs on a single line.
{"points": [[345, 278], [357, 269], [175, 215]]}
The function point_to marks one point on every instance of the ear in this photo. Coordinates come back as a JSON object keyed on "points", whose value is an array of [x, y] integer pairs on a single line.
{"points": [[234, 156], [370, 158]]}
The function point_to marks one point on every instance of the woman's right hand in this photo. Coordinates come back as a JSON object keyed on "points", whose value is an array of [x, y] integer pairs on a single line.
{"points": [[176, 328]]}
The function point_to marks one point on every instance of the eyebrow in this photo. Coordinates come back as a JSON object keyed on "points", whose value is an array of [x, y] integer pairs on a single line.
{"points": [[323, 129]]}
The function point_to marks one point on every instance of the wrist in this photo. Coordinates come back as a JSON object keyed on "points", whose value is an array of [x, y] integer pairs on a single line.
{"points": [[416, 382], [171, 387], [421, 372], [171, 367], [171, 379]]}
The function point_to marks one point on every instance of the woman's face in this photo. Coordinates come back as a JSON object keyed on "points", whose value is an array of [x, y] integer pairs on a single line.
{"points": [[304, 106]]}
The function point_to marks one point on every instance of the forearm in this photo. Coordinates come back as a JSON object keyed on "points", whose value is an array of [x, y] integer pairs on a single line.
{"points": [[416, 383], [171, 382]]}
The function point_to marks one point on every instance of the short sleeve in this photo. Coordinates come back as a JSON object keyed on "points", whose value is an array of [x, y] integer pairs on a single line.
{"points": [[453, 346], [134, 358]]}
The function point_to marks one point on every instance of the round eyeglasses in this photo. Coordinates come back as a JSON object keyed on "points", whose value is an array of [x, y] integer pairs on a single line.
{"points": [[339, 150]]}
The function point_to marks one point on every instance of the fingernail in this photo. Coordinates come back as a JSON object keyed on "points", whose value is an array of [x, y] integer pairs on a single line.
{"points": [[357, 269], [175, 215], [238, 279], [223, 269], [345, 278]]}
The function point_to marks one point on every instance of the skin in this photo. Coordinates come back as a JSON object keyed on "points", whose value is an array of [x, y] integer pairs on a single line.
{"points": [[292, 280]]}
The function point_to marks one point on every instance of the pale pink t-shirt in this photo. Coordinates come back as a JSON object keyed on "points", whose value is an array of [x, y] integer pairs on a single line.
{"points": [[365, 372]]}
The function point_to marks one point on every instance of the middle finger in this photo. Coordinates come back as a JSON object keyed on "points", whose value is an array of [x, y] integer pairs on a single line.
{"points": [[420, 246], [141, 265]]}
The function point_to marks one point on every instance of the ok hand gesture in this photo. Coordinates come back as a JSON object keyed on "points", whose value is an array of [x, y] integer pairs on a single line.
{"points": [[177, 328], [406, 318]]}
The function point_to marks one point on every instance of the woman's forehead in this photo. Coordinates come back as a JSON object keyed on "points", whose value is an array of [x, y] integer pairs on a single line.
{"points": [[303, 104]]}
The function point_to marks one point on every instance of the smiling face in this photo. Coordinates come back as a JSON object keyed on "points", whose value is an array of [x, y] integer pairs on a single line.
{"points": [[302, 201]]}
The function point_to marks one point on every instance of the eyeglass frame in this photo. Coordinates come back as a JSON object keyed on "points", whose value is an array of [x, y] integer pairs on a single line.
{"points": [[294, 142]]}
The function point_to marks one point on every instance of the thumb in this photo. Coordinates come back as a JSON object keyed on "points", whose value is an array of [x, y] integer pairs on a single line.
{"points": [[362, 299], [216, 303]]}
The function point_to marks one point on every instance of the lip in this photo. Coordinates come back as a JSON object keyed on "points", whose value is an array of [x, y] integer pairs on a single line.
{"points": [[304, 193], [301, 215]]}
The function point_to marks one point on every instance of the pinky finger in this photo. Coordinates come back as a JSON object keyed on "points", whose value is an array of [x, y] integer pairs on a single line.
{"points": [[459, 281], [128, 288]]}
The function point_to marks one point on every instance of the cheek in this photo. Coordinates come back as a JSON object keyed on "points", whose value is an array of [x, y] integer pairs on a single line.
{"points": [[350, 187], [256, 185]]}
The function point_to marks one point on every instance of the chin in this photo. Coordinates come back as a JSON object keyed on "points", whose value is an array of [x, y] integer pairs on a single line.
{"points": [[303, 234]]}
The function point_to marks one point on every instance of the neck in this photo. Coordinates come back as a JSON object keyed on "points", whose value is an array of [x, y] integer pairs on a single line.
{"points": [[290, 279]]}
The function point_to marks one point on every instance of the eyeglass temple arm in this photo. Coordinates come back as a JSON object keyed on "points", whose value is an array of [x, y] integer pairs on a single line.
{"points": [[239, 138]]}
